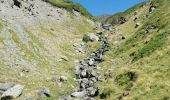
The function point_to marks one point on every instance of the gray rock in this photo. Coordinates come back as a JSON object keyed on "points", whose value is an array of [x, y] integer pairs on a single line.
{"points": [[78, 94], [83, 73], [137, 25], [134, 19], [92, 37], [92, 91], [84, 83], [107, 27], [82, 44], [63, 79], [152, 8], [99, 33], [13, 92], [75, 45], [43, 93], [91, 62], [150, 28], [6, 86]]}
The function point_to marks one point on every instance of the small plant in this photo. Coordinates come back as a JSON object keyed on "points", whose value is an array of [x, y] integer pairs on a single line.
{"points": [[126, 79], [86, 38], [106, 93]]}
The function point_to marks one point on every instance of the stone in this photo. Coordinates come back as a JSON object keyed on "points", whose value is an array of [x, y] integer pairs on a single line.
{"points": [[63, 79], [150, 28], [107, 27], [91, 62], [93, 37], [13, 92], [63, 58], [6, 86], [82, 44], [123, 38], [84, 83], [99, 33], [115, 42], [134, 19], [78, 94], [122, 20], [83, 73], [137, 25], [45, 92], [93, 73], [75, 45], [152, 8], [17, 3], [92, 91]]}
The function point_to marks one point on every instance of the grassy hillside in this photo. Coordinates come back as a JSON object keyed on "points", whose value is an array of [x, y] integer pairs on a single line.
{"points": [[70, 6], [139, 66], [114, 19], [35, 60]]}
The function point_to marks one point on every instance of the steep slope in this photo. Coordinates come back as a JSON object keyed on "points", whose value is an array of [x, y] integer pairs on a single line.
{"points": [[36, 41], [102, 18], [70, 6], [137, 66]]}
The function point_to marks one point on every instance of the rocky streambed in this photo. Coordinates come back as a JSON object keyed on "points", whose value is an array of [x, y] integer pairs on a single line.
{"points": [[86, 74]]}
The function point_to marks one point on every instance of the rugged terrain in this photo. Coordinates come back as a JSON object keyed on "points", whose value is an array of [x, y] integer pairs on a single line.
{"points": [[52, 49]]}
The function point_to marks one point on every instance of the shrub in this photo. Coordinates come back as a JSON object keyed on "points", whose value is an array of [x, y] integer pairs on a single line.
{"points": [[86, 38], [126, 78]]}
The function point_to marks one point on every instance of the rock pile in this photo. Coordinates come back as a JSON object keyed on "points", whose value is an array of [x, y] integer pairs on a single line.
{"points": [[87, 76]]}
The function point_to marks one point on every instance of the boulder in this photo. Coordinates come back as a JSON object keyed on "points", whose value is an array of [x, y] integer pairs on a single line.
{"points": [[107, 27], [150, 28], [93, 37], [92, 92], [63, 79], [137, 25], [78, 94], [152, 8], [45, 92], [13, 92], [75, 45], [91, 62], [99, 33], [83, 73], [6, 86], [90, 37], [82, 44], [134, 19], [17, 3]]}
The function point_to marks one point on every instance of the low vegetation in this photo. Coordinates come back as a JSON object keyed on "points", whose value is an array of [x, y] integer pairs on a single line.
{"points": [[144, 53], [70, 6]]}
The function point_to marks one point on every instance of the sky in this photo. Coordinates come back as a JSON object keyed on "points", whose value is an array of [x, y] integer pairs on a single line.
{"points": [[99, 7]]}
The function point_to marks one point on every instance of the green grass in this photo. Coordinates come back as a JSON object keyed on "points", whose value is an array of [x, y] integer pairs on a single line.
{"points": [[154, 44], [127, 14], [1, 26], [146, 54], [70, 6]]}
